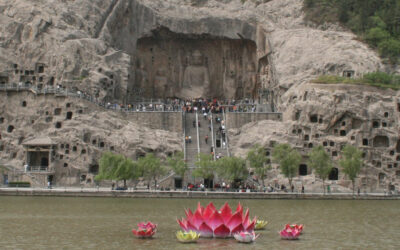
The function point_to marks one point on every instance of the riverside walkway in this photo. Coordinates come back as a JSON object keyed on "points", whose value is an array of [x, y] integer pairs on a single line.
{"points": [[107, 192]]}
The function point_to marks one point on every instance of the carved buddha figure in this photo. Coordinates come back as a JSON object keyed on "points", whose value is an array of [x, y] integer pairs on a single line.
{"points": [[250, 81], [195, 79], [161, 83], [230, 84]]}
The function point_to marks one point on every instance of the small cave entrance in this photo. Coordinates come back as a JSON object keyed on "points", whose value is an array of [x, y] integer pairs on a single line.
{"points": [[343, 133], [178, 183], [23, 104], [313, 118], [398, 146], [334, 174], [208, 183], [69, 115], [58, 125], [381, 178], [44, 162], [303, 170], [94, 169], [57, 111], [10, 129], [365, 142], [381, 141]]}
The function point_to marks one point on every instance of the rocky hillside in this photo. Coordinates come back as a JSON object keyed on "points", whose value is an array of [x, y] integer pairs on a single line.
{"points": [[92, 46]]}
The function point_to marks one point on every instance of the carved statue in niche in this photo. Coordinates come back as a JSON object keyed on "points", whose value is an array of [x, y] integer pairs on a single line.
{"points": [[196, 82], [161, 83], [141, 80], [250, 81], [230, 84]]}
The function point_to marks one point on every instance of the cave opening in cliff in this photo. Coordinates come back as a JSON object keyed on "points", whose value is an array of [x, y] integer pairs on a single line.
{"points": [[334, 174], [178, 182], [192, 66], [57, 111], [303, 170], [381, 141]]}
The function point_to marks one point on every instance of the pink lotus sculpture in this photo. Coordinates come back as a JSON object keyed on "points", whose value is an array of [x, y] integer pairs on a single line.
{"points": [[290, 233], [145, 230], [210, 222], [246, 237], [298, 227]]}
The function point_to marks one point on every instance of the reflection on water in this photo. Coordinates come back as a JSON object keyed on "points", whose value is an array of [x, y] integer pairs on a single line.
{"points": [[106, 223]]}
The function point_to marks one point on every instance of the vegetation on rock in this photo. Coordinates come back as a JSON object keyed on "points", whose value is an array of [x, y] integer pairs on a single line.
{"points": [[376, 79], [259, 161], [288, 159], [375, 21]]}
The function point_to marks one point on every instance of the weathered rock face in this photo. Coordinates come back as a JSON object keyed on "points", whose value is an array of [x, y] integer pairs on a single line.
{"points": [[112, 48], [80, 132], [123, 50], [333, 116]]}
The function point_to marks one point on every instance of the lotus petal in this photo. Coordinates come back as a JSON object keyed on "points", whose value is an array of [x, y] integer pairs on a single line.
{"points": [[250, 227], [215, 220], [226, 212], [182, 224], [200, 208], [222, 232], [237, 229], [239, 208], [234, 221], [246, 220], [209, 210], [197, 219], [190, 226], [205, 230]]}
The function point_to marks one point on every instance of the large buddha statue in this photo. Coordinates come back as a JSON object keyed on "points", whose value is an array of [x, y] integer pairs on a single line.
{"points": [[250, 82], [196, 82], [161, 83]]}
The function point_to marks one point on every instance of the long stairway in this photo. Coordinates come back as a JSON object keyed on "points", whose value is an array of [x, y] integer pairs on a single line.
{"points": [[192, 149]]}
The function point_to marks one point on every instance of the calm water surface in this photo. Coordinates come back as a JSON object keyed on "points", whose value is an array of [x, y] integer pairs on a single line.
{"points": [[106, 223]]}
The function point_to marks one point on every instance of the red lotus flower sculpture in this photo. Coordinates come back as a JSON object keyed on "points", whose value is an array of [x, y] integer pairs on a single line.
{"points": [[145, 230], [290, 233], [298, 227], [147, 225], [210, 222]]}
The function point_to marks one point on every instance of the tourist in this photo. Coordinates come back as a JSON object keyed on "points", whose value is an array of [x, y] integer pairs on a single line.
{"points": [[190, 139], [302, 189], [194, 123], [292, 188], [206, 139], [205, 115], [49, 185]]}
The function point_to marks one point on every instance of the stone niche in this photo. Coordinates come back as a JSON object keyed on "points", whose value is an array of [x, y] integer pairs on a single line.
{"points": [[192, 66]]}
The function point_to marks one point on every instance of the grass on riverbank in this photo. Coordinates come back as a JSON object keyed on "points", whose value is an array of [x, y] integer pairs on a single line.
{"points": [[375, 79]]}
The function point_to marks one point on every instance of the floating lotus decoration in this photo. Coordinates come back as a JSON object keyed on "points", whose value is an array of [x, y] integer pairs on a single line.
{"points": [[246, 237], [210, 222], [298, 227], [260, 224], [290, 233], [147, 225], [145, 230], [187, 237]]}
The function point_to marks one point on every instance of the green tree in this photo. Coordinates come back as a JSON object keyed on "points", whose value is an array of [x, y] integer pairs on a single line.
{"points": [[376, 35], [258, 160], [108, 165], [178, 164], [205, 167], [127, 169], [390, 49], [232, 169], [321, 162], [288, 159], [351, 163], [151, 167], [117, 167]]}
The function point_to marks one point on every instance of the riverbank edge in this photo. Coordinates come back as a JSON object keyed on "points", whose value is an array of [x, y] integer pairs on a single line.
{"points": [[191, 194]]}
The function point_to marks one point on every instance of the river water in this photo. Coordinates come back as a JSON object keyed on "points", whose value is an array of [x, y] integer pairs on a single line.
{"points": [[106, 223]]}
